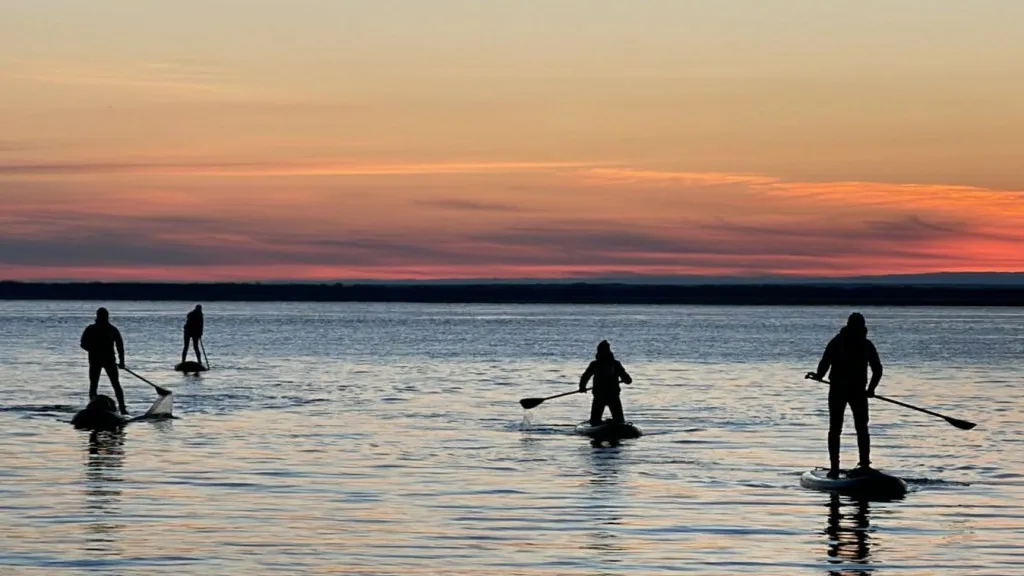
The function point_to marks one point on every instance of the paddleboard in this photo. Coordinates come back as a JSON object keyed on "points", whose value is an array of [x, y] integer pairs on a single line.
{"points": [[609, 430], [190, 366], [100, 414], [874, 483]]}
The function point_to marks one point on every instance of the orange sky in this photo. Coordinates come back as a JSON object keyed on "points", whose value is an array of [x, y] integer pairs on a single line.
{"points": [[316, 140]]}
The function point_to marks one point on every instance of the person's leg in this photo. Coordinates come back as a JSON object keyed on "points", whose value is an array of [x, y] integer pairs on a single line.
{"points": [[195, 346], [115, 382], [94, 379], [836, 408], [615, 407], [184, 349], [859, 407], [596, 410]]}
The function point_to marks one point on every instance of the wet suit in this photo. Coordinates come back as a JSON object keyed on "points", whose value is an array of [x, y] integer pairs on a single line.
{"points": [[193, 332], [848, 355], [99, 340], [607, 373]]}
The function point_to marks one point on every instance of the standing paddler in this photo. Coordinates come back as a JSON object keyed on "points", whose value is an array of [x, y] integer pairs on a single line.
{"points": [[848, 356], [193, 332], [99, 340], [607, 373]]}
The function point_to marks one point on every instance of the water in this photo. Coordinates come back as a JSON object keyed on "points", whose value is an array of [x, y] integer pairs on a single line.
{"points": [[388, 439]]}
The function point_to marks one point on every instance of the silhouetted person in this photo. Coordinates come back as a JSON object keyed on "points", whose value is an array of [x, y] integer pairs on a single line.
{"points": [[99, 340], [848, 355], [607, 372], [193, 332]]}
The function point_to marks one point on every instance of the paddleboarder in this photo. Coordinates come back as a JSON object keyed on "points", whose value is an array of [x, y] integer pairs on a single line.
{"points": [[848, 356], [607, 372], [99, 340], [193, 332]]}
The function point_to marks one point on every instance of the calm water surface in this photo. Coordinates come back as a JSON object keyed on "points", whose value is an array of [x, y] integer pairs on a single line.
{"points": [[388, 439]]}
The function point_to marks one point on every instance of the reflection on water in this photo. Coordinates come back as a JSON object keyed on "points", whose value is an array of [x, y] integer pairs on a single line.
{"points": [[104, 475], [605, 504], [848, 536], [605, 467]]}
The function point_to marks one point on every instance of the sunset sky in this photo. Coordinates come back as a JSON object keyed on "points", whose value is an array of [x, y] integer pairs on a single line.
{"points": [[300, 139]]}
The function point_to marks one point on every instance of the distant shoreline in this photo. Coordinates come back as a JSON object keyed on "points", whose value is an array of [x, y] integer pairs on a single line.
{"points": [[808, 294]]}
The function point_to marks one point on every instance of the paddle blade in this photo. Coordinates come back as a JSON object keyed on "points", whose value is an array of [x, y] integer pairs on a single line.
{"points": [[961, 424], [162, 408], [530, 403]]}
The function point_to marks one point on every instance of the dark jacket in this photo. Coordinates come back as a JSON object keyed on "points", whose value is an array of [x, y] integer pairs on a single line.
{"points": [[848, 356], [194, 323], [606, 374], [99, 340]]}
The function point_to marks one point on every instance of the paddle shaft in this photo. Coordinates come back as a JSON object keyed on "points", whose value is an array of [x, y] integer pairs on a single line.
{"points": [[962, 424], [203, 346], [161, 391], [560, 395], [912, 407], [530, 403]]}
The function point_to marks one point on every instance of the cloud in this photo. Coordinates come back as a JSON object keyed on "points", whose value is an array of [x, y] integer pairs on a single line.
{"points": [[698, 243], [109, 249], [850, 233], [58, 239], [661, 177], [79, 168], [20, 145], [573, 241], [257, 169], [472, 206], [835, 194], [555, 224], [178, 80]]}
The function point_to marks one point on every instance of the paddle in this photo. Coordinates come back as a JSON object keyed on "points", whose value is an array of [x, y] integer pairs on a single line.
{"points": [[159, 390], [203, 346], [529, 403], [961, 424]]}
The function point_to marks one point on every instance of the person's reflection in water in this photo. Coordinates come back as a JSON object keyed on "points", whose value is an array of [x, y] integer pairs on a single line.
{"points": [[103, 477], [604, 506], [605, 461], [848, 537]]}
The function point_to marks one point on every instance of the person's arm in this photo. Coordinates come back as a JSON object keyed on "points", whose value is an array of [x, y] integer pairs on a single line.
{"points": [[200, 325], [622, 373], [876, 368], [586, 377], [84, 343], [826, 361], [120, 346]]}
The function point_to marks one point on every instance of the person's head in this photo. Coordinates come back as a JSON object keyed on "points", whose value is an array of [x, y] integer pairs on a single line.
{"points": [[102, 316], [856, 326], [604, 351], [199, 307]]}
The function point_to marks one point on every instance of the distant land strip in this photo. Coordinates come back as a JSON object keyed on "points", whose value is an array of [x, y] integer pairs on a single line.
{"points": [[542, 293]]}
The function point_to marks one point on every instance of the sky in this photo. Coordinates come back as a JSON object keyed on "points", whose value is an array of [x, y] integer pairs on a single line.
{"points": [[388, 139]]}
